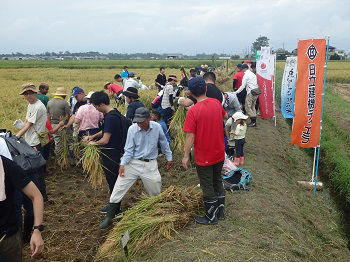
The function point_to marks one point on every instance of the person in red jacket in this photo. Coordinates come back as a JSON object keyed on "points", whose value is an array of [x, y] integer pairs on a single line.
{"points": [[205, 131]]}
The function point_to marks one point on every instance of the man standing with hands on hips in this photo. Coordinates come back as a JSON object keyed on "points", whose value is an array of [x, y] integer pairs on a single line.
{"points": [[139, 161], [205, 131]]}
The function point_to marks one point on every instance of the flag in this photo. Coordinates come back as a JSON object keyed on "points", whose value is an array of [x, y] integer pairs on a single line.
{"points": [[265, 71], [308, 93], [288, 87]]}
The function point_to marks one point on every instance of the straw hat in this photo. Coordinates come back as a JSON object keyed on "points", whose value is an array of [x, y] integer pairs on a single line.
{"points": [[60, 91], [28, 87], [106, 85]]}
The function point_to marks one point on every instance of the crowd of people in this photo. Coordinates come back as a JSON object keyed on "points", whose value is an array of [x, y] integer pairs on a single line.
{"points": [[215, 128]]}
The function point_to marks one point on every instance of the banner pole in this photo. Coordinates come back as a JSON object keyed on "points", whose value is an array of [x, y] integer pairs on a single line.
{"points": [[323, 95], [274, 91], [314, 165]]}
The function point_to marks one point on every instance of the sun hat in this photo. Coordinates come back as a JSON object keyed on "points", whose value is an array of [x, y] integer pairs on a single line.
{"points": [[28, 87], [89, 95], [106, 85], [141, 114], [60, 91], [131, 92], [239, 115], [78, 91]]}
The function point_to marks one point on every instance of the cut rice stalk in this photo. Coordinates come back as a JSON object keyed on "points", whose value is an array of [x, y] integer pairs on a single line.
{"points": [[176, 129], [151, 220], [62, 157], [91, 164]]}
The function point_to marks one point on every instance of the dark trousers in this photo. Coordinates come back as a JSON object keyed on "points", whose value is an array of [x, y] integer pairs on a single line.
{"points": [[22, 200], [239, 146], [210, 180], [111, 169], [167, 113], [11, 248], [241, 98]]}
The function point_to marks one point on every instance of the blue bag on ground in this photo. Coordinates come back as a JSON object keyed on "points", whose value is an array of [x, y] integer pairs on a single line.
{"points": [[237, 180]]}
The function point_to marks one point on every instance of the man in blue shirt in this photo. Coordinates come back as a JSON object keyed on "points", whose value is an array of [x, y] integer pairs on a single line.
{"points": [[125, 73], [139, 161]]}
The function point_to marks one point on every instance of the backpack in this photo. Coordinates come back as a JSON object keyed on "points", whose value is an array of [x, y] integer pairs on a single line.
{"points": [[23, 154], [237, 179], [125, 124]]}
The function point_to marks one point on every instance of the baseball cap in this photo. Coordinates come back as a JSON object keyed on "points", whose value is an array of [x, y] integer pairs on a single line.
{"points": [[247, 61], [131, 74], [245, 66], [239, 66], [196, 85], [141, 114], [77, 91]]}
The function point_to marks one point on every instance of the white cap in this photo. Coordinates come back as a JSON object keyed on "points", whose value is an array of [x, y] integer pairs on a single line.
{"points": [[89, 95], [239, 115]]}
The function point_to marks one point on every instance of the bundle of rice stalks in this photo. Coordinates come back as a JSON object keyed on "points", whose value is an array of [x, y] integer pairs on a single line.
{"points": [[92, 166], [176, 129], [147, 96], [151, 220], [76, 148], [62, 157]]}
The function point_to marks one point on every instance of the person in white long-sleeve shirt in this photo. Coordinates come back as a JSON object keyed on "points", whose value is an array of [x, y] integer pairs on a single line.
{"points": [[249, 82], [131, 82]]}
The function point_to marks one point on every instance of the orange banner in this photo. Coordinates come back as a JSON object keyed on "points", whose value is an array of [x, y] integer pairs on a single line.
{"points": [[308, 93]]}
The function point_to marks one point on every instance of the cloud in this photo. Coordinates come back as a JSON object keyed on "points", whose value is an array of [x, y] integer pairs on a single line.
{"points": [[168, 26]]}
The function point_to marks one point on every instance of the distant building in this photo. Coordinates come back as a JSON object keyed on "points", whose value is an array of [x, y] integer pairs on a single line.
{"points": [[174, 56]]}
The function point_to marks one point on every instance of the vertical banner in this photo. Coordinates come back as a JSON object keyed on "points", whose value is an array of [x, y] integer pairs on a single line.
{"points": [[265, 73], [288, 87], [308, 93]]}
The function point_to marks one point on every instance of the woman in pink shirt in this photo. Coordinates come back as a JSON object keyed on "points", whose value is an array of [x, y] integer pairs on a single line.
{"points": [[88, 119]]}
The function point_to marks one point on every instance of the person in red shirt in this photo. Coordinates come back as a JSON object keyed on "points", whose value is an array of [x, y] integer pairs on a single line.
{"points": [[205, 131], [237, 82]]}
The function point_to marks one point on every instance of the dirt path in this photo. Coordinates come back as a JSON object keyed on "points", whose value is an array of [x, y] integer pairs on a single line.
{"points": [[276, 220]]}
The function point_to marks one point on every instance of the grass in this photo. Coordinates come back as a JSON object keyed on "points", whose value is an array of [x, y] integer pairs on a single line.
{"points": [[104, 64]]}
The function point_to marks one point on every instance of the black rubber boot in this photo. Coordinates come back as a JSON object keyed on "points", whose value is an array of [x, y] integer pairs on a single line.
{"points": [[211, 208], [27, 228], [112, 210], [221, 209], [253, 122]]}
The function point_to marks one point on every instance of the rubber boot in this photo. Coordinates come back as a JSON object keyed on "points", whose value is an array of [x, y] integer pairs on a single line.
{"points": [[241, 160], [112, 210], [253, 122], [236, 161], [211, 208], [221, 209], [27, 228]]}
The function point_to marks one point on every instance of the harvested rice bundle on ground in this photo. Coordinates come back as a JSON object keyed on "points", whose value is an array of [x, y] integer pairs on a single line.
{"points": [[62, 157], [91, 164], [176, 129], [151, 220]]}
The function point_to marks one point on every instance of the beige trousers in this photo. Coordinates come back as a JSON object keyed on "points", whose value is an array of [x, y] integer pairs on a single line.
{"points": [[250, 102], [146, 171]]}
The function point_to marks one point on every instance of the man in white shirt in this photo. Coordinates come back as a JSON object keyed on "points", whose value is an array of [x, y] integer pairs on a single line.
{"points": [[131, 82], [249, 82], [36, 116]]}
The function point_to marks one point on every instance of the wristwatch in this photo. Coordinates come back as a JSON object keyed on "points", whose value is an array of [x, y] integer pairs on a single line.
{"points": [[40, 228]]}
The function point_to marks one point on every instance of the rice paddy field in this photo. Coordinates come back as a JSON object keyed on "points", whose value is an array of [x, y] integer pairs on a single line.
{"points": [[275, 221]]}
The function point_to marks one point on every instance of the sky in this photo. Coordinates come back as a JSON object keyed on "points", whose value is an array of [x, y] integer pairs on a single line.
{"points": [[188, 27]]}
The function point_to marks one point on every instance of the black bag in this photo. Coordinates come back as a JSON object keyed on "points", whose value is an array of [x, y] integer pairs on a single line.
{"points": [[23, 154], [126, 123], [256, 91]]}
